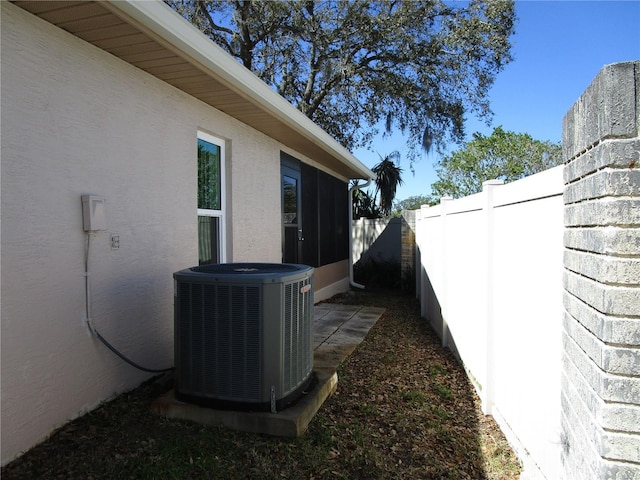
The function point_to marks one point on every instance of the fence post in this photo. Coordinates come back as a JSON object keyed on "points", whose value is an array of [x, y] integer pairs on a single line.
{"points": [[488, 388], [424, 297], [417, 263], [444, 259]]}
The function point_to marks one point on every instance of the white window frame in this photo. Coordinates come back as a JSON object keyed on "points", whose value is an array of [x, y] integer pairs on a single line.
{"points": [[203, 212]]}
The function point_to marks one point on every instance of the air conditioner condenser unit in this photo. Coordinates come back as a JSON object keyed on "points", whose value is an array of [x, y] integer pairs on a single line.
{"points": [[243, 335]]}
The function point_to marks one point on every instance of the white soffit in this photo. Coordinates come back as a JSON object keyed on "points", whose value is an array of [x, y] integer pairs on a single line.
{"points": [[149, 35]]}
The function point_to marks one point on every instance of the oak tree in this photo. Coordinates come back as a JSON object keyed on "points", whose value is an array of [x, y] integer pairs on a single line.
{"points": [[420, 66]]}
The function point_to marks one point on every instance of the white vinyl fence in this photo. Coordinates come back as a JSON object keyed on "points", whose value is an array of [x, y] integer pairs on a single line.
{"points": [[377, 239], [490, 284]]}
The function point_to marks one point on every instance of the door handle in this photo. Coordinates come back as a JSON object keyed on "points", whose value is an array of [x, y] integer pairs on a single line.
{"points": [[300, 236]]}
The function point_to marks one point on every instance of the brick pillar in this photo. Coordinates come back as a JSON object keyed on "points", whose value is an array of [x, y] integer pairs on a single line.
{"points": [[408, 249], [601, 334]]}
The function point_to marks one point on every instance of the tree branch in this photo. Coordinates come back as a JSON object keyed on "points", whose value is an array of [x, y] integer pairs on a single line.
{"points": [[214, 26]]}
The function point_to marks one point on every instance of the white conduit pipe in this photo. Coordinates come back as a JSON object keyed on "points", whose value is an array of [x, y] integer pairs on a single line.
{"points": [[355, 187]]}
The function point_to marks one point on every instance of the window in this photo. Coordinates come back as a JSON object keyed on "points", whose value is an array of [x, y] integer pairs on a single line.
{"points": [[291, 218], [211, 244]]}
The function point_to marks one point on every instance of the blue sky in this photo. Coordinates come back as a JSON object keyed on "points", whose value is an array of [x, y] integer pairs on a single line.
{"points": [[558, 48]]}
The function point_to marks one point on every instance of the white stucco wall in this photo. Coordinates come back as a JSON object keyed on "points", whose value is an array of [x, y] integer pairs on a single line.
{"points": [[76, 120]]}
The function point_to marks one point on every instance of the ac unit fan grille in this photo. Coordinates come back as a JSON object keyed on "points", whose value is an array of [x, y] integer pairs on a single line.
{"points": [[298, 335], [219, 340]]}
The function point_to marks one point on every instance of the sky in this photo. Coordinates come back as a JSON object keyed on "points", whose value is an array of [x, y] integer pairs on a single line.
{"points": [[558, 48]]}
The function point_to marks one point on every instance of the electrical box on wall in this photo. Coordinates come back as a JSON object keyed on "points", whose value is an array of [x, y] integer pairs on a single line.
{"points": [[93, 218]]}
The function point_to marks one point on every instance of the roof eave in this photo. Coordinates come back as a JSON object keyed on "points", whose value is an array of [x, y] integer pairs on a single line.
{"points": [[169, 28]]}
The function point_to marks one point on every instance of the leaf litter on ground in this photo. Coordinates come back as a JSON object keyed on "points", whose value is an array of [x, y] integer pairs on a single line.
{"points": [[404, 409]]}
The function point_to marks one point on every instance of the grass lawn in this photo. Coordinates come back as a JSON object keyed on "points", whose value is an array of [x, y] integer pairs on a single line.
{"points": [[404, 409]]}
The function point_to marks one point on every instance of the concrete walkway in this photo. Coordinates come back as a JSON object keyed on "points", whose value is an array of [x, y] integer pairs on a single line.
{"points": [[338, 329]]}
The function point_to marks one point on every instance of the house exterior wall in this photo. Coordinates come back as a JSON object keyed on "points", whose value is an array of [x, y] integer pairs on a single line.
{"points": [[330, 280], [75, 121]]}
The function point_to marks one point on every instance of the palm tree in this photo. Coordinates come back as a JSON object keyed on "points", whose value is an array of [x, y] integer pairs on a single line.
{"points": [[363, 204], [389, 176]]}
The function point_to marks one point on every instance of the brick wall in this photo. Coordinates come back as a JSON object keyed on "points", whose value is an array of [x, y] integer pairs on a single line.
{"points": [[601, 326], [408, 248]]}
